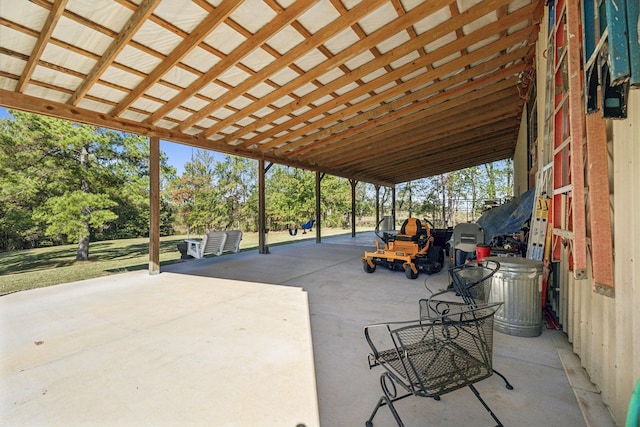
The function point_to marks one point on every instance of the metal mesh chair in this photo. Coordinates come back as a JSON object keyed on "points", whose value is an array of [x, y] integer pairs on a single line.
{"points": [[473, 284], [430, 357]]}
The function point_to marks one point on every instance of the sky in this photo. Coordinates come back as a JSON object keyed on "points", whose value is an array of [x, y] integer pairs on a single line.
{"points": [[178, 154]]}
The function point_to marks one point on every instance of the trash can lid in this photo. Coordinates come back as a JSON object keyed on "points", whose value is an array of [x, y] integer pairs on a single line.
{"points": [[515, 260]]}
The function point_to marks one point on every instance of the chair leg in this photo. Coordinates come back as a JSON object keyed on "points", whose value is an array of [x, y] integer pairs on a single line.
{"points": [[507, 384], [475, 391], [390, 396]]}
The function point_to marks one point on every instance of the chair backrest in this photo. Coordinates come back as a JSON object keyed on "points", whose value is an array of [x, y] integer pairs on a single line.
{"points": [[213, 242], [473, 282], [411, 227], [232, 243]]}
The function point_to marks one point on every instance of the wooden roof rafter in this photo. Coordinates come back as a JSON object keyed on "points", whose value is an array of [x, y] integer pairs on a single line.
{"points": [[303, 83], [123, 38], [43, 39], [421, 80]]}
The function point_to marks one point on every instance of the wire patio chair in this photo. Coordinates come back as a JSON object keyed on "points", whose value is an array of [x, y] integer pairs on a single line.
{"points": [[430, 357], [473, 284]]}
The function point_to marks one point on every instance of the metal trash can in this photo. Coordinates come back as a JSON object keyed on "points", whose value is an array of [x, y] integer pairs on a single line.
{"points": [[518, 284]]}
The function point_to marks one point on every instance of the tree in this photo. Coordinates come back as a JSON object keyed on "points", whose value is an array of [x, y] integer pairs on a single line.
{"points": [[46, 163], [290, 194], [335, 199], [235, 186], [74, 214], [191, 191], [365, 199]]}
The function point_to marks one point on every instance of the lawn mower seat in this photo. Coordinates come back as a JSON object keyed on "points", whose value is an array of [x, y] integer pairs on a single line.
{"points": [[411, 231]]}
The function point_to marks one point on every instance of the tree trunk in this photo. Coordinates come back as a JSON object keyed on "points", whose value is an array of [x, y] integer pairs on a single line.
{"points": [[491, 176], [83, 250]]}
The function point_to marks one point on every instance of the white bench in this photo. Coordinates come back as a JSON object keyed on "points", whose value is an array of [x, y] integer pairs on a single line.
{"points": [[215, 242]]}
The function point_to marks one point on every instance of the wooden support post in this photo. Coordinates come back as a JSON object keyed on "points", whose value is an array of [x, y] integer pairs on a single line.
{"points": [[154, 205], [353, 183], [600, 212], [377, 187], [576, 119], [393, 207], [319, 177], [263, 247]]}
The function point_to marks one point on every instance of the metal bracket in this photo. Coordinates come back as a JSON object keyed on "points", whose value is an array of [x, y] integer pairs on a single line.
{"points": [[610, 40]]}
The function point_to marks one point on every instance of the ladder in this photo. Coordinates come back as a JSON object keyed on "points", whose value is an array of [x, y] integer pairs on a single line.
{"points": [[564, 134], [539, 217]]}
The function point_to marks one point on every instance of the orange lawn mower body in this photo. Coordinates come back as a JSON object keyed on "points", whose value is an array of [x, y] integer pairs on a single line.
{"points": [[411, 250]]}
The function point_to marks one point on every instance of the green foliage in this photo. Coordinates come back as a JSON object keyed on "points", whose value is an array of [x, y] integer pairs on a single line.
{"points": [[45, 163], [235, 186], [69, 214], [291, 197], [63, 181], [335, 200], [189, 192]]}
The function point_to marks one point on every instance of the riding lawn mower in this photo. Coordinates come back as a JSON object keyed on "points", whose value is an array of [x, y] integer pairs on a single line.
{"points": [[414, 249]]}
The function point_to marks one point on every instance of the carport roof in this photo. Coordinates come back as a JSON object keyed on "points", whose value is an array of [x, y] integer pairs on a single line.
{"points": [[382, 91]]}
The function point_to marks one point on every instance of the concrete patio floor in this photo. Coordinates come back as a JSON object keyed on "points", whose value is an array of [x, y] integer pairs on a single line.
{"points": [[254, 340]]}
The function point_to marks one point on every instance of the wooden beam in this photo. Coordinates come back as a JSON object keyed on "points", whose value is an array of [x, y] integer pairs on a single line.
{"points": [[206, 26], [599, 201], [424, 127], [406, 21], [348, 19], [32, 104], [232, 59], [287, 59], [423, 157], [43, 38], [432, 149], [463, 154], [408, 68], [576, 125], [393, 207], [154, 205], [377, 188], [353, 183], [381, 98], [263, 247], [110, 33], [126, 34], [397, 109], [472, 158], [437, 108], [319, 177], [454, 165]]}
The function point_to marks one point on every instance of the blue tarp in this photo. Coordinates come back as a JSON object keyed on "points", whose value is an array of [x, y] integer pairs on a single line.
{"points": [[508, 218]]}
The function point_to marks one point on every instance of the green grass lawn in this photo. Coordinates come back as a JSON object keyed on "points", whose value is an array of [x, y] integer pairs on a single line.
{"points": [[34, 268]]}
